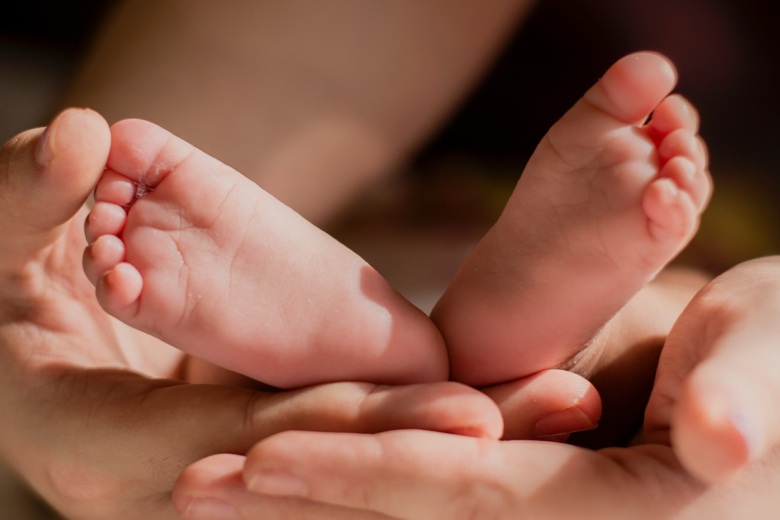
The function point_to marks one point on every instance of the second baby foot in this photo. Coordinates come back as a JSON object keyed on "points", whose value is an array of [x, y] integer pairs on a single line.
{"points": [[603, 205], [189, 250]]}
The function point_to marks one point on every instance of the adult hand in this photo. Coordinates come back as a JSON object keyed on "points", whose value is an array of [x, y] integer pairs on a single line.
{"points": [[718, 386], [425, 475], [84, 414]]}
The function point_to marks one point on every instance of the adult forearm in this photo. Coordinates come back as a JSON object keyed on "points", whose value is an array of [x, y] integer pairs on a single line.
{"points": [[310, 99]]}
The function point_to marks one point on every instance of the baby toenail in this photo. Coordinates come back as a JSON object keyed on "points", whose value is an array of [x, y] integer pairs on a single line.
{"points": [[44, 152], [555, 426]]}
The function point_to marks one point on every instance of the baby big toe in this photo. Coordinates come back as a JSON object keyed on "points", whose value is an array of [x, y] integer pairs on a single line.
{"points": [[633, 87], [682, 143]]}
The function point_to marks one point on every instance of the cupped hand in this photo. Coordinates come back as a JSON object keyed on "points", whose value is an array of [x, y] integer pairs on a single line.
{"points": [[91, 412], [711, 408], [718, 386]]}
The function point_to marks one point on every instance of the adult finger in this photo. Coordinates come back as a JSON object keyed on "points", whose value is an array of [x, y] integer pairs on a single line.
{"points": [[405, 474], [427, 475], [549, 405], [107, 428], [213, 488], [366, 408], [717, 389], [46, 176], [446, 406]]}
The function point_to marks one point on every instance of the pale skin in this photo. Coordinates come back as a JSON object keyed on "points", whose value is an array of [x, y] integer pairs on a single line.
{"points": [[83, 409], [332, 106], [422, 475], [42, 237]]}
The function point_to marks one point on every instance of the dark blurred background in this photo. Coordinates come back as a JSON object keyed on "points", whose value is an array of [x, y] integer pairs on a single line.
{"points": [[726, 52]]}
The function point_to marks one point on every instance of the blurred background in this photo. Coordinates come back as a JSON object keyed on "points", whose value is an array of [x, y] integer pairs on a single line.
{"points": [[417, 226]]}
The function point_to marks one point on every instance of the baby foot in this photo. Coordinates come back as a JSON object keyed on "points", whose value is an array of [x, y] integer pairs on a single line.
{"points": [[602, 206], [189, 250]]}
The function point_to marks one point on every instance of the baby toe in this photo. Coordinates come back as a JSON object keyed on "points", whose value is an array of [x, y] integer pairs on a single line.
{"points": [[115, 188], [104, 219], [119, 290], [682, 143], [103, 256], [633, 87], [674, 112], [671, 212]]}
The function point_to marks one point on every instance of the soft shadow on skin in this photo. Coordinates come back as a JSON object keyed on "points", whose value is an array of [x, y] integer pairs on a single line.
{"points": [[406, 322], [648, 483], [625, 384], [621, 363], [627, 481], [197, 371], [375, 289]]}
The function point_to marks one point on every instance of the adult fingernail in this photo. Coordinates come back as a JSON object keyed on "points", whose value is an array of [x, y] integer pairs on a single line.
{"points": [[211, 509], [44, 152], [558, 425], [273, 481]]}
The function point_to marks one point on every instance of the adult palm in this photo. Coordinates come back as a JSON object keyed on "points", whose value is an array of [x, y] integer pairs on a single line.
{"points": [[724, 344]]}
